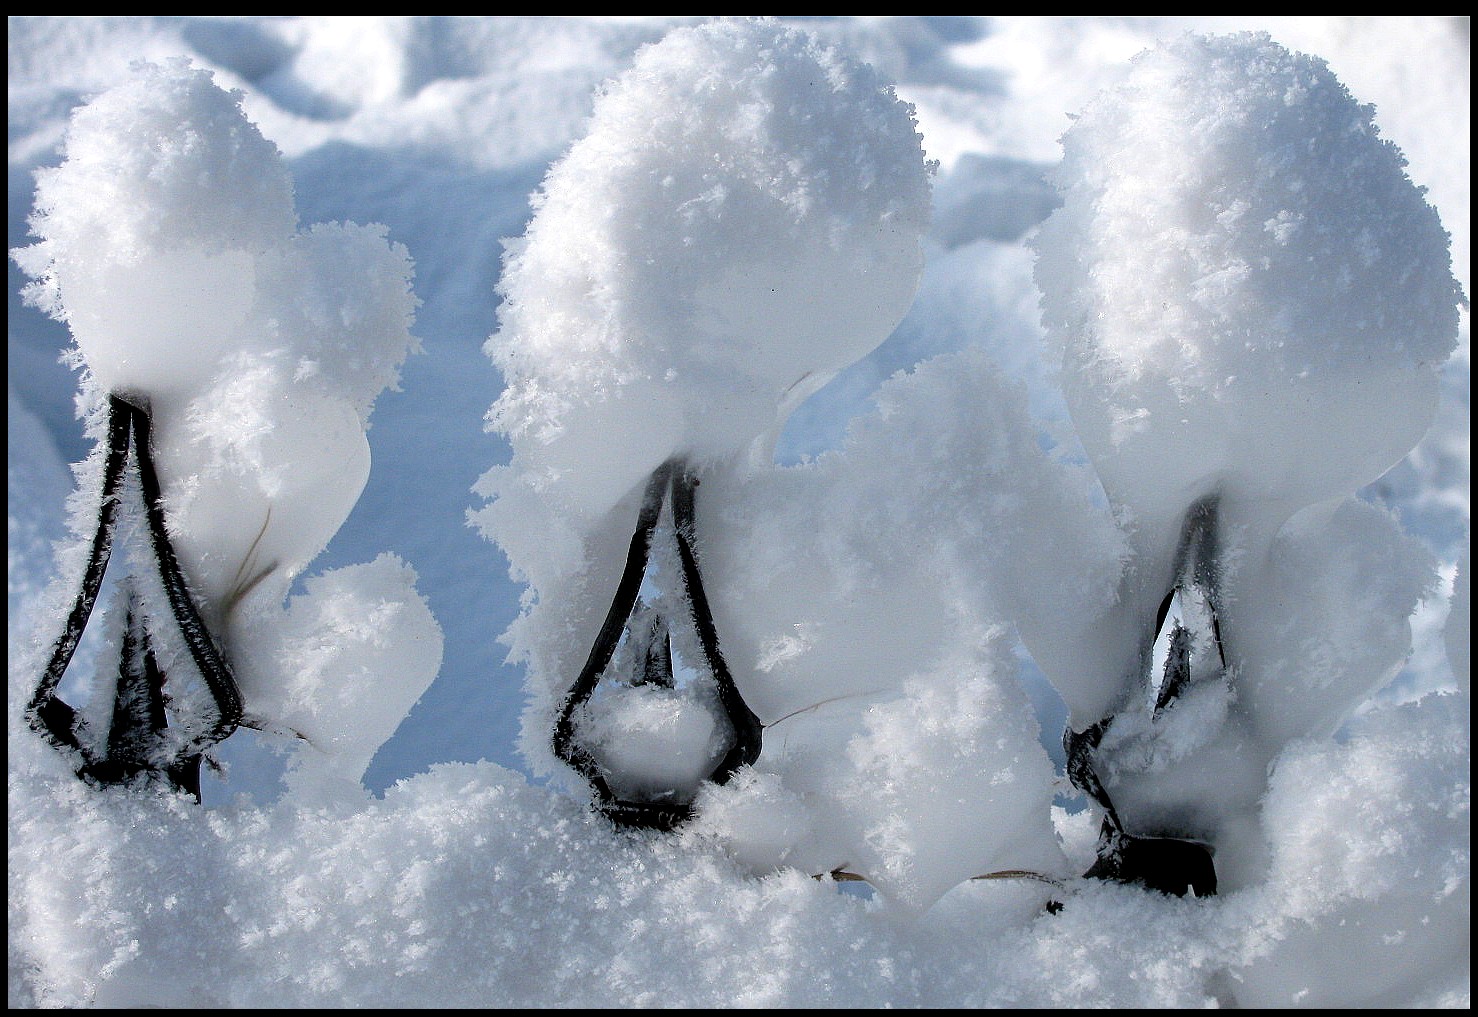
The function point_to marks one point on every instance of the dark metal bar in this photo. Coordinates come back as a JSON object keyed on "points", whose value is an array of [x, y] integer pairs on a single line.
{"points": [[748, 731], [654, 663], [46, 713], [1168, 864], [627, 590], [136, 741], [209, 660]]}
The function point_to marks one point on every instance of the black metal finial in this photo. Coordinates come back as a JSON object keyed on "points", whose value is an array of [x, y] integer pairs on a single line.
{"points": [[672, 481]]}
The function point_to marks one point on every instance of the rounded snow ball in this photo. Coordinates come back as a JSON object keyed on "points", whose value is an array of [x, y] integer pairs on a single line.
{"points": [[166, 195], [654, 741], [164, 161], [1246, 287], [743, 218]]}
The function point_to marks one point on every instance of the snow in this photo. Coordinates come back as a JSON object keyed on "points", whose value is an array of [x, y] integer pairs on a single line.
{"points": [[742, 218], [1457, 631], [1251, 301], [258, 351], [1217, 282], [979, 337]]}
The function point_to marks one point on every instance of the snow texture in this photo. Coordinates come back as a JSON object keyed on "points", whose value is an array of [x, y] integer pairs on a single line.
{"points": [[169, 246], [967, 410]]}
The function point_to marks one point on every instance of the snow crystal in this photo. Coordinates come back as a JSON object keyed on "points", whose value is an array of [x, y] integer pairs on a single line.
{"points": [[166, 196], [1381, 912], [653, 740], [344, 663]]}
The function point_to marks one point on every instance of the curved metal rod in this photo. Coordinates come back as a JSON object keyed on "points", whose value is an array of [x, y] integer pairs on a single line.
{"points": [[138, 717], [1172, 865], [46, 713], [212, 665], [1079, 747], [627, 590], [748, 731], [674, 479], [1168, 864], [652, 640]]}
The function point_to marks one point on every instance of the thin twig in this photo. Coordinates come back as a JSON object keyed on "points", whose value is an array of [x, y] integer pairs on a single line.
{"points": [[824, 702], [1019, 874], [240, 590], [841, 875]]}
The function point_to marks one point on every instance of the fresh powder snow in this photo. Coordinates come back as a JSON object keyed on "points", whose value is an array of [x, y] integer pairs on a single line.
{"points": [[957, 454]]}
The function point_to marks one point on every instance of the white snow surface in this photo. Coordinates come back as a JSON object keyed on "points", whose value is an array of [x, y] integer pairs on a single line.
{"points": [[953, 320], [1250, 295]]}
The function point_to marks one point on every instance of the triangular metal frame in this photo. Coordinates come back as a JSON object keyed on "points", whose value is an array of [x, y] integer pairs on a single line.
{"points": [[139, 705], [676, 481]]}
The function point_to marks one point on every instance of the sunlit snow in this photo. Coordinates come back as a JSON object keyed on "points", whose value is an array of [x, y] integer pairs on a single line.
{"points": [[1051, 433]]}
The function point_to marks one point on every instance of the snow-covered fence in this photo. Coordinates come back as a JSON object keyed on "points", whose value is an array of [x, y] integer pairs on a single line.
{"points": [[1250, 301], [243, 355], [807, 668]]}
